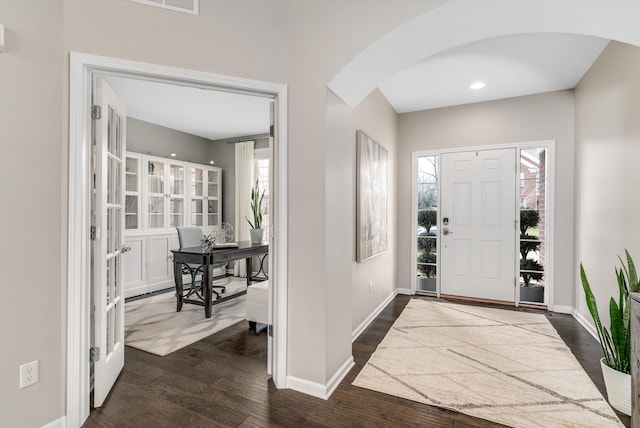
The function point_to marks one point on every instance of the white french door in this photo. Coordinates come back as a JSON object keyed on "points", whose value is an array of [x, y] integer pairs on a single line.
{"points": [[108, 212], [478, 224]]}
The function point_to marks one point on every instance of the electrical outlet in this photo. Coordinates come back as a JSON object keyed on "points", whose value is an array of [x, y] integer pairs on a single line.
{"points": [[28, 374], [370, 286]]}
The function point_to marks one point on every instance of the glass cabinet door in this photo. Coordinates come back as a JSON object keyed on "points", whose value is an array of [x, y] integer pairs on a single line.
{"points": [[213, 200], [155, 194], [196, 194], [132, 193], [176, 195]]}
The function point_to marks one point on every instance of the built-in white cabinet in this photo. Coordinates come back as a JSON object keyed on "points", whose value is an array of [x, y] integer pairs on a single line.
{"points": [[162, 194], [134, 262]]}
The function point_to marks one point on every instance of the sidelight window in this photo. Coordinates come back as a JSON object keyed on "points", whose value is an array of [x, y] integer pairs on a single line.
{"points": [[427, 231]]}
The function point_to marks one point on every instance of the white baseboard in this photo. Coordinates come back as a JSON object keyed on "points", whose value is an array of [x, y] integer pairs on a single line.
{"points": [[307, 387], [317, 389], [61, 422], [586, 324], [562, 309], [339, 375], [368, 320], [405, 291]]}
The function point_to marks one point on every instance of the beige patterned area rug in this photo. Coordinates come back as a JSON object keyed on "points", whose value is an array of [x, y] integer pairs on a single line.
{"points": [[153, 325], [504, 366]]}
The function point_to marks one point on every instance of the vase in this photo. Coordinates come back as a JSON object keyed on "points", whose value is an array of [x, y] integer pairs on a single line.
{"points": [[618, 387], [426, 284], [256, 235], [532, 294]]}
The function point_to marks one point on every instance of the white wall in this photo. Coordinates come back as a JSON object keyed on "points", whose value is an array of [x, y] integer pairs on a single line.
{"points": [[536, 117], [607, 102], [32, 310]]}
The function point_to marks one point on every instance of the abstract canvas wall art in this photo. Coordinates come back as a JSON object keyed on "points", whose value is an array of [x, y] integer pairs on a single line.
{"points": [[371, 206]]}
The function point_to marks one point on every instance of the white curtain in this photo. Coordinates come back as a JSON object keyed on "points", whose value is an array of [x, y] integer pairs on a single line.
{"points": [[244, 182]]}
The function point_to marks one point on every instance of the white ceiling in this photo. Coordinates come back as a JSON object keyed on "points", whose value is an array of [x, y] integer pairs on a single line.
{"points": [[209, 114], [510, 66]]}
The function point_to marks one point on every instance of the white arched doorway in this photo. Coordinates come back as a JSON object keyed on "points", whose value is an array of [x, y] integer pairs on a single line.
{"points": [[457, 23]]}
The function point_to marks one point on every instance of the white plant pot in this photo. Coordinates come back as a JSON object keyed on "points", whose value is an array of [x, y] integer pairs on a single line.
{"points": [[256, 235], [618, 386]]}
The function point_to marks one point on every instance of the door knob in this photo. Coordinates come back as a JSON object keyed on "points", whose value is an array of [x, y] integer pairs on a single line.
{"points": [[446, 231], [124, 249]]}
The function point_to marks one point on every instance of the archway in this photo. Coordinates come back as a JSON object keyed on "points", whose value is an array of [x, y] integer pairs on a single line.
{"points": [[460, 22]]}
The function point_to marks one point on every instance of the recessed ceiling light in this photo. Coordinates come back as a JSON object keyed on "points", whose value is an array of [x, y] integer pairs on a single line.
{"points": [[477, 85]]}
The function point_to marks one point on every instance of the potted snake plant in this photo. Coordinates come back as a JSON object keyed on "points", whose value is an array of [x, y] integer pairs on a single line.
{"points": [[616, 341], [256, 231]]}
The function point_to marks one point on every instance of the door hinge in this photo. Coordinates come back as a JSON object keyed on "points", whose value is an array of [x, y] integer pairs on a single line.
{"points": [[96, 112], [93, 233], [270, 330], [94, 354]]}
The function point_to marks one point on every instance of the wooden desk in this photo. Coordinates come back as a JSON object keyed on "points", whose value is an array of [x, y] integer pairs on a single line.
{"points": [[198, 255]]}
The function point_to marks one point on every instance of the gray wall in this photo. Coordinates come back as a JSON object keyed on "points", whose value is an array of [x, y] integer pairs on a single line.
{"points": [[151, 139], [32, 196], [324, 36], [277, 41], [537, 117], [607, 182], [375, 116]]}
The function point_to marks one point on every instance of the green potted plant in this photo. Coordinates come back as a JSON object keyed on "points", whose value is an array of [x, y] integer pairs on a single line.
{"points": [[427, 220], [530, 269], [256, 231], [616, 341]]}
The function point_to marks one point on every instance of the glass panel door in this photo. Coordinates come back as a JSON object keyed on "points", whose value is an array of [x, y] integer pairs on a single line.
{"points": [[156, 196], [213, 213], [176, 195], [427, 215], [196, 194], [132, 195], [533, 202]]}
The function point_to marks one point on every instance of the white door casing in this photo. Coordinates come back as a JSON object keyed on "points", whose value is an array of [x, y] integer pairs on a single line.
{"points": [[108, 272], [478, 224], [83, 67]]}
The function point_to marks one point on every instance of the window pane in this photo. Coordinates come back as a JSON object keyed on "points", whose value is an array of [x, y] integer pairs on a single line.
{"points": [[533, 192], [427, 216]]}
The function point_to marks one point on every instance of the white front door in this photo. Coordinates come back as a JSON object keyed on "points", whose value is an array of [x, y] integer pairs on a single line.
{"points": [[477, 224], [108, 212]]}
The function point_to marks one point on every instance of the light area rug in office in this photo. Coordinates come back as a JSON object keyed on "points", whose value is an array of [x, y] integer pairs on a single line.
{"points": [[153, 325], [505, 366]]}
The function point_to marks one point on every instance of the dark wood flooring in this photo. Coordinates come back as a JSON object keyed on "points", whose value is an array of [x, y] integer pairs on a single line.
{"points": [[221, 381]]}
